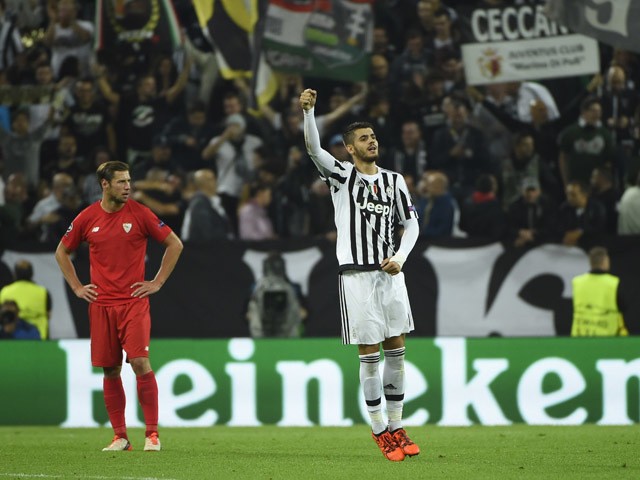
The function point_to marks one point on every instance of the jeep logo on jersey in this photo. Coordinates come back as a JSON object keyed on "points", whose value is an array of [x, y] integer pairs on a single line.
{"points": [[376, 207], [126, 227]]}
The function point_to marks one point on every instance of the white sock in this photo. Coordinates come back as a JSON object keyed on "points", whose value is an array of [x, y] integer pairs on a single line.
{"points": [[372, 389], [393, 381]]}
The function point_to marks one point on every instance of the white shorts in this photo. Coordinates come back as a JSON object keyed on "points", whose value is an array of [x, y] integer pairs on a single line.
{"points": [[374, 306]]}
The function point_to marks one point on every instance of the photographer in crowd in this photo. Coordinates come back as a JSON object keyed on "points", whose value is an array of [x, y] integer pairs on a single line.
{"points": [[12, 327]]}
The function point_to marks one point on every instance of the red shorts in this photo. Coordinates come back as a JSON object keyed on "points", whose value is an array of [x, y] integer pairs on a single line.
{"points": [[119, 327]]}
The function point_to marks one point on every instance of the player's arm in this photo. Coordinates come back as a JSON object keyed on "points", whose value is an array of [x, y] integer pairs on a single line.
{"points": [[86, 292], [409, 217], [173, 249], [324, 161]]}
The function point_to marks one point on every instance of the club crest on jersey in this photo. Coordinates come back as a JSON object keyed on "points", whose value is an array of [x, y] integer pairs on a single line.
{"points": [[389, 190], [126, 227], [69, 229]]}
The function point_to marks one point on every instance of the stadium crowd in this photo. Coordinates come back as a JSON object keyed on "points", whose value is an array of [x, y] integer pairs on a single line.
{"points": [[521, 162]]}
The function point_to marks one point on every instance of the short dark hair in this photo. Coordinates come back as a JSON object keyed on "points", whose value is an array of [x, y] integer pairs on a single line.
{"points": [[348, 134], [587, 102], [582, 185], [23, 270], [107, 170], [597, 256]]}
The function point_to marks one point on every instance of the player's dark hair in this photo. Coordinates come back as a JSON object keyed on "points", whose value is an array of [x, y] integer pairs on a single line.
{"points": [[106, 171], [348, 134]]}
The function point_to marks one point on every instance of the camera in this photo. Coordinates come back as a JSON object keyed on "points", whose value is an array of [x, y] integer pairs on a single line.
{"points": [[7, 316]]}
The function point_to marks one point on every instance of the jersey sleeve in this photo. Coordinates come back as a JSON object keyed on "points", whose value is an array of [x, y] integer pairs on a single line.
{"points": [[154, 227], [409, 217]]}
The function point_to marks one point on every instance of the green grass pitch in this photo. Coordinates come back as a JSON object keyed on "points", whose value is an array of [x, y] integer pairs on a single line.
{"points": [[269, 452]]}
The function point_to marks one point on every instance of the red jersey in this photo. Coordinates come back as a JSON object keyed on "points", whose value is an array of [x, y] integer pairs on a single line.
{"points": [[117, 246]]}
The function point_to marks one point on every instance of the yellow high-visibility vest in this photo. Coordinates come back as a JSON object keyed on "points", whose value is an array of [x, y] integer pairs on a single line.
{"points": [[32, 302], [595, 306]]}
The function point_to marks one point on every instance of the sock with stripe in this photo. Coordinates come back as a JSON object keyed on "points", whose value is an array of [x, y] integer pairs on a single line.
{"points": [[115, 401], [393, 385], [148, 398], [372, 389]]}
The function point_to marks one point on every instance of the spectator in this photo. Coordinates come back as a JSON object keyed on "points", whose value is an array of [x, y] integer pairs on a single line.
{"points": [[142, 114], [21, 149], [32, 300], [12, 327], [160, 191], [67, 36], [88, 120], [10, 42], [66, 161], [580, 215], [619, 102], [584, 145], [629, 210], [205, 219], [603, 190], [232, 152], [523, 163], [91, 188], [481, 214], [381, 44], [14, 211], [436, 206], [459, 150], [379, 80], [531, 218], [321, 213], [445, 40], [414, 54], [410, 158], [45, 211], [524, 93], [189, 136], [254, 222], [598, 304], [161, 159]]}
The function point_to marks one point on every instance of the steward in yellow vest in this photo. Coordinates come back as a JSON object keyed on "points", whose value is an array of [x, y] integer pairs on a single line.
{"points": [[33, 300], [597, 309]]}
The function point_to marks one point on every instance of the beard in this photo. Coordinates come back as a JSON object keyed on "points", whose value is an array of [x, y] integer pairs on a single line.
{"points": [[364, 156]]}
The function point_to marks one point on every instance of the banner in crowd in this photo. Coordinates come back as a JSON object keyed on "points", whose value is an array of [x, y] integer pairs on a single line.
{"points": [[245, 382], [329, 39], [456, 288], [149, 22], [614, 22], [520, 43]]}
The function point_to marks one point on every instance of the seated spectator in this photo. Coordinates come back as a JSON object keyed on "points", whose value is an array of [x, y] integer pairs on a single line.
{"points": [[603, 190], [91, 188], [481, 214], [410, 157], [161, 159], [531, 218], [254, 221], [12, 327], [45, 211], [32, 300], [436, 206], [580, 215], [459, 150], [205, 218], [629, 210], [160, 191], [14, 211]]}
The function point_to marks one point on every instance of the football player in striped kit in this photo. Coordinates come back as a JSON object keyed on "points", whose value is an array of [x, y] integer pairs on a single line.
{"points": [[374, 303]]}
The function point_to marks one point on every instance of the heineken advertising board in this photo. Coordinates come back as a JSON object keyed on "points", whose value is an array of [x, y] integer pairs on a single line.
{"points": [[244, 382]]}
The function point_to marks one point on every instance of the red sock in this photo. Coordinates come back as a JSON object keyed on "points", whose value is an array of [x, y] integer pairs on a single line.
{"points": [[148, 397], [115, 401]]}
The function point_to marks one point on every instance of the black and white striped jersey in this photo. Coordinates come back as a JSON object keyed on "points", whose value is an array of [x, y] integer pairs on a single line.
{"points": [[366, 208]]}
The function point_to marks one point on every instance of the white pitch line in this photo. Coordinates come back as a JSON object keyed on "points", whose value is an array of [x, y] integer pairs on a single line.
{"points": [[94, 477]]}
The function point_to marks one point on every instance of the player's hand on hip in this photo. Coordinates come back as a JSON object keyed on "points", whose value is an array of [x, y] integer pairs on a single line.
{"points": [[391, 267], [144, 289], [87, 292], [308, 99]]}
